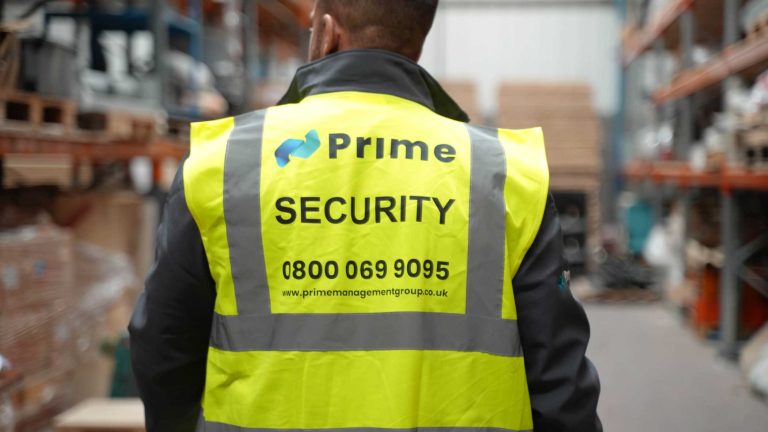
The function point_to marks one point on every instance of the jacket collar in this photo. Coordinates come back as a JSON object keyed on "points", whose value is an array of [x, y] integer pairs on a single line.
{"points": [[373, 71]]}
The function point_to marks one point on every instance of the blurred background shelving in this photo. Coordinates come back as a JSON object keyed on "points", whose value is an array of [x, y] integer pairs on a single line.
{"points": [[695, 140]]}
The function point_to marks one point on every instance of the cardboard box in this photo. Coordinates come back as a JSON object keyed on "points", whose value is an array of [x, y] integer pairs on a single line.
{"points": [[103, 415], [38, 170], [121, 221]]}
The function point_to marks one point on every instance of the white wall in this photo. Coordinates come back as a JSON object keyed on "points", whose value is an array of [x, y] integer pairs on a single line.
{"points": [[490, 43]]}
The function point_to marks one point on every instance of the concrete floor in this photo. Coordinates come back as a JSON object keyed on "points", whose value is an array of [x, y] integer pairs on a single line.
{"points": [[657, 376]]}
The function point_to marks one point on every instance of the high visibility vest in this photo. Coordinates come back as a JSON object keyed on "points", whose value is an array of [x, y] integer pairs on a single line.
{"points": [[363, 249]]}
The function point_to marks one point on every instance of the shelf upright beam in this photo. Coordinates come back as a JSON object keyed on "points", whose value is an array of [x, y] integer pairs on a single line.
{"points": [[730, 36], [660, 114], [251, 48], [658, 64], [731, 25], [618, 132], [686, 108], [687, 35], [160, 38], [730, 294]]}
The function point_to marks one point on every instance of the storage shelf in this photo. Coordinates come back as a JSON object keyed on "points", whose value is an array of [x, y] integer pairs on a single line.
{"points": [[681, 175], [732, 60], [644, 38], [703, 22], [130, 19], [88, 148]]}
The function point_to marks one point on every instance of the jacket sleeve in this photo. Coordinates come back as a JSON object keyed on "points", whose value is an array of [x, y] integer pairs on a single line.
{"points": [[554, 332], [171, 323]]}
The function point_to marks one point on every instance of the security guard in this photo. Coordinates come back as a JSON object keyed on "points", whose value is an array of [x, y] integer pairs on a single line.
{"points": [[360, 258]]}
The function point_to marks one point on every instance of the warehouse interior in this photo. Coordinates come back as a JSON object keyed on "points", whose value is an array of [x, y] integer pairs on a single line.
{"points": [[655, 117]]}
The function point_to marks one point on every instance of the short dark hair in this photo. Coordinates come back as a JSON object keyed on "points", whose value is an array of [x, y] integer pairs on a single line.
{"points": [[394, 25]]}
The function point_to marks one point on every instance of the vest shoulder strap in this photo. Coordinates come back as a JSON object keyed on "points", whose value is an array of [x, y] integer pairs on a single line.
{"points": [[525, 195]]}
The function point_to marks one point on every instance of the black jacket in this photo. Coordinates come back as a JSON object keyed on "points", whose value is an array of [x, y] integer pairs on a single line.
{"points": [[171, 323]]}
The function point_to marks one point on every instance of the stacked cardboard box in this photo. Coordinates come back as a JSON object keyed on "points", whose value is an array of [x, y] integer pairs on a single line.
{"points": [[122, 226], [572, 133]]}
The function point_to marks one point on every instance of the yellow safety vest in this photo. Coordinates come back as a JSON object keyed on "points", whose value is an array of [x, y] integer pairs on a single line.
{"points": [[363, 249]]}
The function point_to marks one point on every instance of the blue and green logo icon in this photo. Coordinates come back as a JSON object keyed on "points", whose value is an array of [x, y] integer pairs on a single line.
{"points": [[297, 148]]}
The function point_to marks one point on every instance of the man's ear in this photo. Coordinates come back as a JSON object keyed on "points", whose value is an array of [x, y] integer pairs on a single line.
{"points": [[331, 35]]}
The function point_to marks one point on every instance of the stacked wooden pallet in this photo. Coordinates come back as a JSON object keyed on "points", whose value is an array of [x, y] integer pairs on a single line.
{"points": [[572, 133], [465, 94], [35, 113]]}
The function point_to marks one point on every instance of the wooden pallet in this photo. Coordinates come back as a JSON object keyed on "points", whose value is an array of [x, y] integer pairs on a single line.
{"points": [[178, 129], [118, 125], [759, 27], [756, 156], [58, 114], [34, 112]]}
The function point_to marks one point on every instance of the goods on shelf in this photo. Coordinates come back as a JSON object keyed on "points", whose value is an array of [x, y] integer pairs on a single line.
{"points": [[48, 68], [663, 250], [754, 17], [752, 149], [571, 207], [194, 83], [706, 308], [704, 222], [711, 153]]}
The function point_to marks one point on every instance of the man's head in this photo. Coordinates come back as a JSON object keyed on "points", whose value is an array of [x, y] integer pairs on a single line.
{"points": [[400, 26]]}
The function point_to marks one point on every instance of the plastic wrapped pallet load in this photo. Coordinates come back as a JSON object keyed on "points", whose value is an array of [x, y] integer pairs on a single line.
{"points": [[36, 283], [54, 298]]}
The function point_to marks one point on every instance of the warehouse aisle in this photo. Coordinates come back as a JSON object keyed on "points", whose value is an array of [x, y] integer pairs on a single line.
{"points": [[656, 376]]}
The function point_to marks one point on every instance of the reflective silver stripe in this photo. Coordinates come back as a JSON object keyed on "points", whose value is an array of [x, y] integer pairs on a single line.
{"points": [[242, 212], [369, 331], [487, 223], [220, 427]]}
